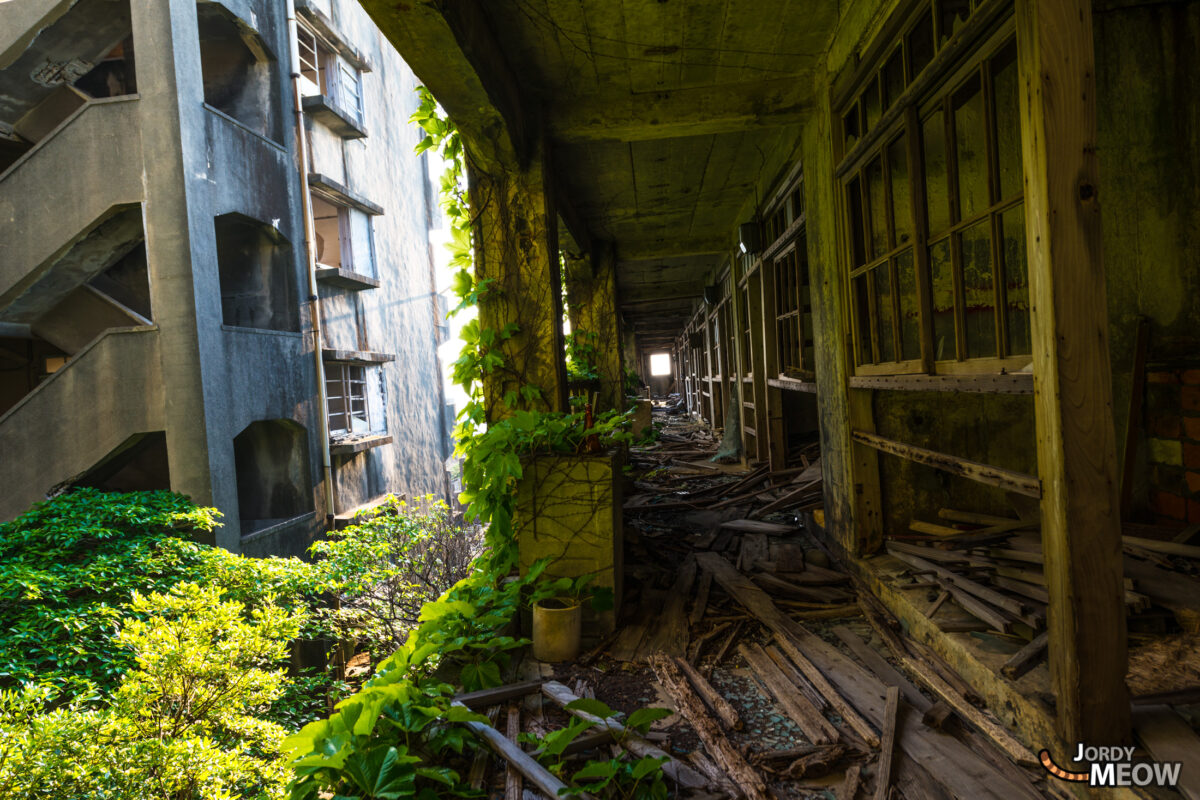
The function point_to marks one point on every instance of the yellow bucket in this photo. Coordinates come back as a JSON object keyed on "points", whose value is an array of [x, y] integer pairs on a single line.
{"points": [[556, 629]]}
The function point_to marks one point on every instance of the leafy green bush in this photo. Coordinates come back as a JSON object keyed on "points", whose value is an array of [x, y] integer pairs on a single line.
{"points": [[185, 723], [70, 566], [387, 566]]}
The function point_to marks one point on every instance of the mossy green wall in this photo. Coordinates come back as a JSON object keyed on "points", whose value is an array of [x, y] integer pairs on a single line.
{"points": [[1148, 120]]}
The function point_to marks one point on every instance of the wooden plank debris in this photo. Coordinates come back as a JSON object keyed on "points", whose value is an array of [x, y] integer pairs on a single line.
{"points": [[1167, 737], [1026, 658], [718, 746], [524, 763], [883, 773], [714, 699], [499, 694], [795, 705], [512, 778], [1017, 482]]}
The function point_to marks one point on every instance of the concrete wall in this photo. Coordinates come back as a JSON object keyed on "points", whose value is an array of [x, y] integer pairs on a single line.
{"points": [[399, 317], [1148, 124]]}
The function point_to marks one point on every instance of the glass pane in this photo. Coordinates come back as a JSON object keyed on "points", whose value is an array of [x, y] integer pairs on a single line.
{"points": [[878, 206], [953, 14], [1016, 280], [858, 250], [901, 210], [941, 274], [979, 311], [862, 314], [892, 78], [872, 109], [910, 309], [937, 196], [1008, 124], [360, 241], [850, 126], [920, 45], [970, 145], [883, 311]]}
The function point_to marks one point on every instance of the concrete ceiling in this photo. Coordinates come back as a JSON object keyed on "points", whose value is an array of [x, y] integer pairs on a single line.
{"points": [[664, 117]]}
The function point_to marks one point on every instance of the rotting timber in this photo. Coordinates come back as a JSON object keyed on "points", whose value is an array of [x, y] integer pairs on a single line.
{"points": [[876, 226]]}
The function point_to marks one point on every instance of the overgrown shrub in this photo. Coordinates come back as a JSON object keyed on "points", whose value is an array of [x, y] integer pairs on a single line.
{"points": [[184, 724], [70, 567], [387, 566]]}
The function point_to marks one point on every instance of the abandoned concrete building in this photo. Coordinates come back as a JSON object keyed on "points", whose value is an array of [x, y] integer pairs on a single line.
{"points": [[162, 322], [953, 242]]}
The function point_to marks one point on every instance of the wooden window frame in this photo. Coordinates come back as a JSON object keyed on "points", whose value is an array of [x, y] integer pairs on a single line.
{"points": [[856, 157], [352, 391]]}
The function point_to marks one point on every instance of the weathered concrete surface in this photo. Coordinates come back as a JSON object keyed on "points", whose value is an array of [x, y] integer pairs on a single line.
{"points": [[61, 192], [516, 248], [51, 435], [591, 283], [569, 510]]}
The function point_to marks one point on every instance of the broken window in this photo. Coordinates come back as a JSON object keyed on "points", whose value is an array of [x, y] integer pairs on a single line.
{"points": [[354, 397], [345, 238], [258, 275], [954, 165], [326, 73], [274, 483], [346, 393], [240, 73]]}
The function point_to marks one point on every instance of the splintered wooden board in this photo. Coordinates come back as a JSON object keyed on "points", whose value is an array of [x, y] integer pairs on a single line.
{"points": [[754, 526], [1167, 737]]}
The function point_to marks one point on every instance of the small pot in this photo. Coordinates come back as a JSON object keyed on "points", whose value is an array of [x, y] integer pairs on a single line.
{"points": [[556, 629]]}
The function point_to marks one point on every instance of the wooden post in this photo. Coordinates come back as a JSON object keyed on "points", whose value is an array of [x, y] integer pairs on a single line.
{"points": [[516, 247], [853, 505], [1077, 460], [757, 365], [773, 398]]}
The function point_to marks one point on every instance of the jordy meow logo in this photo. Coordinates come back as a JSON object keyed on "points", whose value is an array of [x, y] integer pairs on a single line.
{"points": [[1114, 766]]}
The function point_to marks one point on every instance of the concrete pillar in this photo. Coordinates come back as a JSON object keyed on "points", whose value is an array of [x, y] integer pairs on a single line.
{"points": [[592, 303], [169, 83], [516, 250]]}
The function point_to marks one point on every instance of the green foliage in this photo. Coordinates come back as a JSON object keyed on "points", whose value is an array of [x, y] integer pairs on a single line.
{"points": [[622, 777], [389, 564], [70, 566], [406, 706], [185, 723], [582, 356]]}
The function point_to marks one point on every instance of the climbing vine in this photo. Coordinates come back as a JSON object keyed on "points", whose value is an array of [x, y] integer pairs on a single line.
{"points": [[492, 449]]}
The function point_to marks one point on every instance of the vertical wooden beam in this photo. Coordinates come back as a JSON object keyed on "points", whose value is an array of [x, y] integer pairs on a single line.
{"points": [[1072, 383], [776, 444], [758, 366], [851, 471], [516, 248]]}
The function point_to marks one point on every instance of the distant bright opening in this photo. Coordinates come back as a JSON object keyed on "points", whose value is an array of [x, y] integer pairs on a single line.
{"points": [[660, 364]]}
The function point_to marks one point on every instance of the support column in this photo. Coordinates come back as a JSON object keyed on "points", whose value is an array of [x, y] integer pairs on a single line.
{"points": [[772, 397], [1081, 536], [592, 303], [851, 470], [758, 368], [516, 250]]}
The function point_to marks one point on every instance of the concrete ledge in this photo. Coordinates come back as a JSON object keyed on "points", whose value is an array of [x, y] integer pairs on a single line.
{"points": [[345, 278], [356, 356], [331, 190], [322, 108], [346, 448]]}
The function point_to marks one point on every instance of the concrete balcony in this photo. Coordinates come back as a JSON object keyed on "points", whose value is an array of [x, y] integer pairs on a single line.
{"points": [[109, 391], [69, 207]]}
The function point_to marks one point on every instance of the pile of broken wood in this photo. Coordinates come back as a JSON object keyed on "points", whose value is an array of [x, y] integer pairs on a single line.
{"points": [[991, 567]]}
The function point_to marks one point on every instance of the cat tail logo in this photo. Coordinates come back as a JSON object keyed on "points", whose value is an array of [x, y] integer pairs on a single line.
{"points": [[1113, 767]]}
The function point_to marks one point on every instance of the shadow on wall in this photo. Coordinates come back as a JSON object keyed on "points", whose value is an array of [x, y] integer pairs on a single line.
{"points": [[273, 482], [240, 72], [258, 288]]}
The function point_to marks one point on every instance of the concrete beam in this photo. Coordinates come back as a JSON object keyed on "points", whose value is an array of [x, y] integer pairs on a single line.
{"points": [[696, 111], [451, 48]]}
